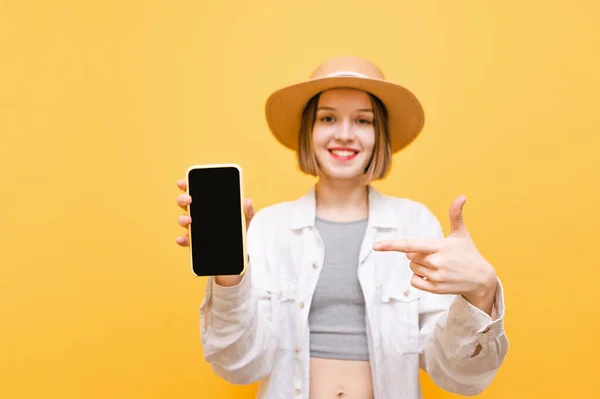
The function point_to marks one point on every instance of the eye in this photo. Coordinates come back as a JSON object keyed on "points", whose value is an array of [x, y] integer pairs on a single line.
{"points": [[364, 121], [327, 119]]}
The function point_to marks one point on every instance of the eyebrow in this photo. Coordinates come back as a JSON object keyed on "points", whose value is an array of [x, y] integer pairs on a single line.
{"points": [[333, 109]]}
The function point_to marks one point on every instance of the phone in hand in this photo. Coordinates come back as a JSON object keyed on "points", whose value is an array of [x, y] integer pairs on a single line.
{"points": [[217, 233]]}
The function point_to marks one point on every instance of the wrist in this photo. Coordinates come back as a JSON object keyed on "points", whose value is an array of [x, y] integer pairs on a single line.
{"points": [[228, 281], [484, 293]]}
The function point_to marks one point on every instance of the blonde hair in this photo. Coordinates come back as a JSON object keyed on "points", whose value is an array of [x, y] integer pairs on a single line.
{"points": [[381, 159]]}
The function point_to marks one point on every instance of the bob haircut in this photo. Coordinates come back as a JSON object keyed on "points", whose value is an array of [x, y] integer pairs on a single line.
{"points": [[381, 160]]}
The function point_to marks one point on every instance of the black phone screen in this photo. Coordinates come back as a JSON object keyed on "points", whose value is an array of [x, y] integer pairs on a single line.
{"points": [[216, 231]]}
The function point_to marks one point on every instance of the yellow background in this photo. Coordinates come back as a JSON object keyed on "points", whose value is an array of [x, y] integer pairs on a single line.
{"points": [[103, 106]]}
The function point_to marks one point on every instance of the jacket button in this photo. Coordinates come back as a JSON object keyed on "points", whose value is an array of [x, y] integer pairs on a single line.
{"points": [[297, 392], [406, 293], [301, 305], [315, 265]]}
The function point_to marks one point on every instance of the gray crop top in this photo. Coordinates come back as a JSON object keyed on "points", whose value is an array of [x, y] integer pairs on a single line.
{"points": [[337, 313]]}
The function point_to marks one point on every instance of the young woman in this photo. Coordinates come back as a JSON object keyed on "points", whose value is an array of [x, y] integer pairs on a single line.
{"points": [[349, 291]]}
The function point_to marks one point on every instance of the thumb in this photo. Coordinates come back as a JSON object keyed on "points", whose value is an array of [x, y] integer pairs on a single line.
{"points": [[248, 211], [457, 223]]}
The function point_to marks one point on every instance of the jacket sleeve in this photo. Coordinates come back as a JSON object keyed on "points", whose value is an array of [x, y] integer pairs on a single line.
{"points": [[462, 347], [237, 331]]}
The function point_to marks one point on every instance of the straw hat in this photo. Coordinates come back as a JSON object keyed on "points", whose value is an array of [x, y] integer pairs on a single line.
{"points": [[405, 114]]}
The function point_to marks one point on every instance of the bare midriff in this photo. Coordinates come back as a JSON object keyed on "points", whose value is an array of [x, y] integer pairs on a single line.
{"points": [[337, 379]]}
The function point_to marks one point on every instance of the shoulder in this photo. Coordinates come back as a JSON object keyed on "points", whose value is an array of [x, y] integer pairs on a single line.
{"points": [[404, 206], [415, 215], [272, 220], [285, 214], [269, 237], [272, 215]]}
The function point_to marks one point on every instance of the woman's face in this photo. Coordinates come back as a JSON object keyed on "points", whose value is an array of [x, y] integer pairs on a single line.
{"points": [[343, 133]]}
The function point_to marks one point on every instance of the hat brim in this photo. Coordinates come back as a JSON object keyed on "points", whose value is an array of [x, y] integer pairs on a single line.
{"points": [[405, 114]]}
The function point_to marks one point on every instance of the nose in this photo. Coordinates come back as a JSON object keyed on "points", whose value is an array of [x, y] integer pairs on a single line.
{"points": [[345, 132]]}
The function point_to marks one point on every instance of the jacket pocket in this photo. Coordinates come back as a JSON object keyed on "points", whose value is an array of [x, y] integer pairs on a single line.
{"points": [[399, 318], [282, 305]]}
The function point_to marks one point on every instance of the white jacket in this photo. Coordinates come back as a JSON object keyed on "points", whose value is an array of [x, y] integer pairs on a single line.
{"points": [[259, 329]]}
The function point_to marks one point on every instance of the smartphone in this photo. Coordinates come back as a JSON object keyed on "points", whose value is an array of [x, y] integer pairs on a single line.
{"points": [[217, 233]]}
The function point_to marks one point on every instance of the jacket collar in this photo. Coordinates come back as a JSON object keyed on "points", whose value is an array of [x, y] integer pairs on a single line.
{"points": [[380, 209]]}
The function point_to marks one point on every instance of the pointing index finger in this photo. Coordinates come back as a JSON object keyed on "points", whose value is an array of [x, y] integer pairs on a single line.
{"points": [[406, 246]]}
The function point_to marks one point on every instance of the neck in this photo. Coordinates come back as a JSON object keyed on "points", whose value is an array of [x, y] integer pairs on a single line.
{"points": [[341, 200]]}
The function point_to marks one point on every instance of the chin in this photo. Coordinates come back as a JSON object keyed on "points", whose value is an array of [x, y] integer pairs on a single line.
{"points": [[336, 170], [336, 174]]}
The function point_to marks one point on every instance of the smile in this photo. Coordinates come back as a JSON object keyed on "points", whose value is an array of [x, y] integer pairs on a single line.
{"points": [[343, 154]]}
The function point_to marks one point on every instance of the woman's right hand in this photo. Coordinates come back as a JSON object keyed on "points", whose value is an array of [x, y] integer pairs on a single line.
{"points": [[183, 200]]}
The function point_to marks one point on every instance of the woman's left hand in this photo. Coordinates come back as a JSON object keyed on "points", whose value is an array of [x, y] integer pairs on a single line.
{"points": [[450, 265]]}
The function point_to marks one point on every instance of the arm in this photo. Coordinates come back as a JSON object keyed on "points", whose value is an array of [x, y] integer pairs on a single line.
{"points": [[462, 345], [238, 334]]}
